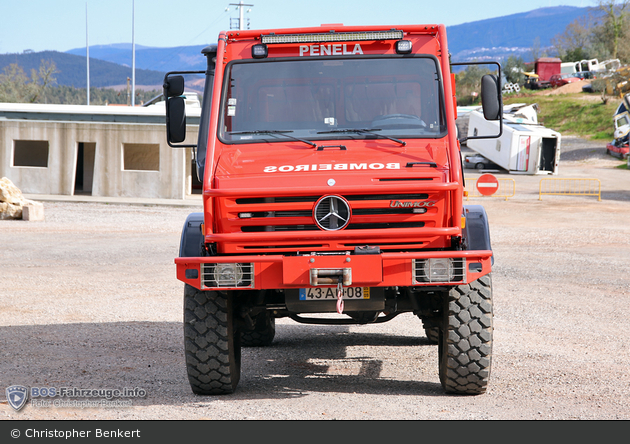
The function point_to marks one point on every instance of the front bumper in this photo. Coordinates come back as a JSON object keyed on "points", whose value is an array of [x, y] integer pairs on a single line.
{"points": [[429, 268]]}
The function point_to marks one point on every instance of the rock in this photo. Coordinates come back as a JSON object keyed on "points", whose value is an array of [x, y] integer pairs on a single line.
{"points": [[10, 211], [13, 205], [33, 211], [9, 193]]}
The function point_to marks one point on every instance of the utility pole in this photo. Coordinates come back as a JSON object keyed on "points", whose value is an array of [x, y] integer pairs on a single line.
{"points": [[241, 13], [87, 52], [133, 54]]}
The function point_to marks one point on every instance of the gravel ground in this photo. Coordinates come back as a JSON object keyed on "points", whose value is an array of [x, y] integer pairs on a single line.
{"points": [[89, 299]]}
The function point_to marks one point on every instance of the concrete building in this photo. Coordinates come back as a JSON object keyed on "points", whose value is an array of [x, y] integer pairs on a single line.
{"points": [[111, 151]]}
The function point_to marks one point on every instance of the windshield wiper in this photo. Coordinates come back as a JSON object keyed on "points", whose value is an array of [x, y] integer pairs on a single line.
{"points": [[282, 133], [364, 130]]}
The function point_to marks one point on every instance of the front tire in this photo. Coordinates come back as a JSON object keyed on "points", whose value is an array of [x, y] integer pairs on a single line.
{"points": [[465, 342], [211, 341]]}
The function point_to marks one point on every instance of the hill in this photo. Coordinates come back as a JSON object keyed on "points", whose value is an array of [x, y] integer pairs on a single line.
{"points": [[491, 38], [514, 34], [73, 70], [159, 59]]}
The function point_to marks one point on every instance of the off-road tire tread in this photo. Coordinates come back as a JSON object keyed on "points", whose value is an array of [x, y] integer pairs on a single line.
{"points": [[466, 338], [432, 334], [211, 343], [262, 334]]}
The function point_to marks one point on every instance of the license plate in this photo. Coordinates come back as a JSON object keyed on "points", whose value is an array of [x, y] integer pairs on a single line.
{"points": [[327, 294]]}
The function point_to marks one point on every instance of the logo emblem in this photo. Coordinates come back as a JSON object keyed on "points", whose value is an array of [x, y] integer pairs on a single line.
{"points": [[17, 396], [410, 203], [332, 213]]}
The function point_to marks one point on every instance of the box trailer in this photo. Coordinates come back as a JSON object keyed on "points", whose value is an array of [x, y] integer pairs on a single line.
{"points": [[525, 147], [544, 68]]}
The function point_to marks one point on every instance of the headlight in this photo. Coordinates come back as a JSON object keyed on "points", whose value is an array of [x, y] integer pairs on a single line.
{"points": [[216, 275], [228, 275], [438, 270]]}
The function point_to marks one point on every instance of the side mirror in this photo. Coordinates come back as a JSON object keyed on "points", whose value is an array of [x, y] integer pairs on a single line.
{"points": [[173, 86], [175, 109], [491, 97], [176, 119]]}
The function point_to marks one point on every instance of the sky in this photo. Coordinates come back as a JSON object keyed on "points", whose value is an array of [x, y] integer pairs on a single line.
{"points": [[60, 25]]}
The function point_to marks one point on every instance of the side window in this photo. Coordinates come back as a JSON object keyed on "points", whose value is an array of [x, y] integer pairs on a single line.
{"points": [[622, 121]]}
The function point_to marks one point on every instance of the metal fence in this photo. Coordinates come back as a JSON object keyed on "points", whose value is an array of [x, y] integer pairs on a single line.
{"points": [[576, 187], [506, 189]]}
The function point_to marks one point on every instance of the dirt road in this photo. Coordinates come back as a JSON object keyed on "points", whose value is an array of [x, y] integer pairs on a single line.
{"points": [[89, 300]]}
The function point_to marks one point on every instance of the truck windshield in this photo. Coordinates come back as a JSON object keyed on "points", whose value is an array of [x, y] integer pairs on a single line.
{"points": [[323, 99]]}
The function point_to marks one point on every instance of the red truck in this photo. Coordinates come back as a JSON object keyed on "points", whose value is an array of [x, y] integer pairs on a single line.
{"points": [[332, 184]]}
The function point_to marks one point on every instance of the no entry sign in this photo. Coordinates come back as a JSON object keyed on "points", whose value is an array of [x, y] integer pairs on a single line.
{"points": [[487, 184]]}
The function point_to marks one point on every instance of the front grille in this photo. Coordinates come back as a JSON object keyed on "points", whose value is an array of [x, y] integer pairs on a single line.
{"points": [[350, 198], [366, 226], [367, 212], [263, 228]]}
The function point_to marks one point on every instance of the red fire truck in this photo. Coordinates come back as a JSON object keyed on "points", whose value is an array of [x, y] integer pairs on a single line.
{"points": [[332, 185]]}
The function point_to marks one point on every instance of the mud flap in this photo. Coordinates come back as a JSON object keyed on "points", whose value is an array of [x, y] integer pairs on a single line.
{"points": [[476, 234], [192, 236]]}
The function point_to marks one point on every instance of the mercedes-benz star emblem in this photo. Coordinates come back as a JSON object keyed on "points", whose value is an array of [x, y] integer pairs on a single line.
{"points": [[332, 213]]}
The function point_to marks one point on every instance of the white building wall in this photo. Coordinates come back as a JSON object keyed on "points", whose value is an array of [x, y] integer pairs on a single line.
{"points": [[172, 181]]}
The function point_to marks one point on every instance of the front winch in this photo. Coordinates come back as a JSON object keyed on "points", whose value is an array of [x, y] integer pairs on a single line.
{"points": [[331, 276]]}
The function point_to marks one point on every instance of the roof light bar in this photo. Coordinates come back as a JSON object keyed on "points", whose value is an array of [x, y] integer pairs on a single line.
{"points": [[331, 37]]}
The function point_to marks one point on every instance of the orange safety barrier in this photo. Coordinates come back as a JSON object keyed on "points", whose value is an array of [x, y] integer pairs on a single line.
{"points": [[577, 187]]}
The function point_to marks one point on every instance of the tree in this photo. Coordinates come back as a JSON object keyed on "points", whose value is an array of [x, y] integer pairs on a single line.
{"points": [[614, 23], [535, 49], [469, 84], [576, 42], [16, 87], [47, 70], [601, 34], [513, 70]]}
